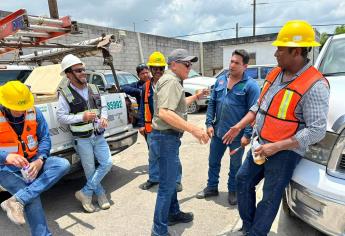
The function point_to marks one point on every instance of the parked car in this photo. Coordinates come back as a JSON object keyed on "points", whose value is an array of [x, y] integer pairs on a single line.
{"points": [[257, 72], [104, 80], [193, 85], [14, 72], [316, 193]]}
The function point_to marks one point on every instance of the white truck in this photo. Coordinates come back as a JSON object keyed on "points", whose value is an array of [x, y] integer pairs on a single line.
{"points": [[20, 30], [316, 193], [44, 82]]}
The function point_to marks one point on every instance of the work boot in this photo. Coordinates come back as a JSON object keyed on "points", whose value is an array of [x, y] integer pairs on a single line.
{"points": [[14, 210], [147, 185], [103, 202], [86, 201], [180, 217], [179, 187], [207, 192], [232, 198]]}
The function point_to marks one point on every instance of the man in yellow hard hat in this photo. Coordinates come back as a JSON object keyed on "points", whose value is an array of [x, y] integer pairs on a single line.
{"points": [[290, 115], [156, 64], [25, 143]]}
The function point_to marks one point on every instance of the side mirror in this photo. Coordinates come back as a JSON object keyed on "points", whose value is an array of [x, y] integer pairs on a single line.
{"points": [[101, 87]]}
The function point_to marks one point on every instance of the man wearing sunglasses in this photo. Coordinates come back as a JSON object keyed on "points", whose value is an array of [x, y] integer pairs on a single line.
{"points": [[25, 143], [157, 66], [168, 123], [85, 111], [231, 99]]}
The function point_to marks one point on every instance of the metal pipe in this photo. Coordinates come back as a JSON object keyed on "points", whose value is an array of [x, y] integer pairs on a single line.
{"points": [[43, 20], [141, 55], [18, 39], [49, 28], [32, 34], [202, 58]]}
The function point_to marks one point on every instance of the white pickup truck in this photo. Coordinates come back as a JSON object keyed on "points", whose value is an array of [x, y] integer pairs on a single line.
{"points": [[44, 82], [316, 193]]}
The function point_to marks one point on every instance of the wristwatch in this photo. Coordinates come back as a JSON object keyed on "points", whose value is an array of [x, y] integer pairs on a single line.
{"points": [[42, 158]]}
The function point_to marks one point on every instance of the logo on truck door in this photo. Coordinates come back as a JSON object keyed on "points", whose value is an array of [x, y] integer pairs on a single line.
{"points": [[114, 105]]}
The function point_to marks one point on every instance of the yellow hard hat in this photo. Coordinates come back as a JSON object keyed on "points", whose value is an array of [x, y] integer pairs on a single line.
{"points": [[16, 96], [296, 33], [156, 59]]}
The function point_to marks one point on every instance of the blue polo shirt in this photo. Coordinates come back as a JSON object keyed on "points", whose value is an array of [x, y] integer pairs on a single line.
{"points": [[227, 107], [44, 141]]}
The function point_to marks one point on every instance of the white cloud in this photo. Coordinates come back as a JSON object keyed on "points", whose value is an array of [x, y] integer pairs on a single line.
{"points": [[181, 17]]}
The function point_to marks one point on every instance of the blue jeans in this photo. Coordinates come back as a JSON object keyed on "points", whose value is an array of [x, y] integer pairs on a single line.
{"points": [[166, 148], [29, 194], [88, 149], [277, 171], [217, 149], [154, 165]]}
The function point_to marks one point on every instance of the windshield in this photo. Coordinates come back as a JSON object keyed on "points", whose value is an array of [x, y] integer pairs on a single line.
{"points": [[123, 78], [7, 75], [334, 58], [193, 73]]}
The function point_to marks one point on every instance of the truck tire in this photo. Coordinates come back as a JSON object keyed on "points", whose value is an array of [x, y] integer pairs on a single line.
{"points": [[193, 107], [285, 206]]}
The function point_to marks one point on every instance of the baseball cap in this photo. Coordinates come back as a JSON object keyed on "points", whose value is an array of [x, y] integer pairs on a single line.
{"points": [[181, 55]]}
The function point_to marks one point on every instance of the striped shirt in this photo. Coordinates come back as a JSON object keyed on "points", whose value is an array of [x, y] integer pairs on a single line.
{"points": [[312, 110]]}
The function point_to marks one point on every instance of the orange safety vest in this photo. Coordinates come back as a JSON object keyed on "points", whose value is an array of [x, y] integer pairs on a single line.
{"points": [[280, 121], [147, 112], [25, 144]]}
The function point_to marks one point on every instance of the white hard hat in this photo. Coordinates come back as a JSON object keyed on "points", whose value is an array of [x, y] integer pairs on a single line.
{"points": [[68, 61]]}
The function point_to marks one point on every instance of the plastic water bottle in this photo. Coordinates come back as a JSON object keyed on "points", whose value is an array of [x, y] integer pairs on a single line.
{"points": [[99, 130], [25, 174], [258, 159]]}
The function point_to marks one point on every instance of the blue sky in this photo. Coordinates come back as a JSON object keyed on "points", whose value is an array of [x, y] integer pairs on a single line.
{"points": [[183, 17]]}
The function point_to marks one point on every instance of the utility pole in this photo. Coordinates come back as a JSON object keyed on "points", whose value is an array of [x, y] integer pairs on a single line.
{"points": [[236, 30], [254, 9], [53, 9], [134, 26]]}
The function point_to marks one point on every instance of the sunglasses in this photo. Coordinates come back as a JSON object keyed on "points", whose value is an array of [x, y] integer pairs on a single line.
{"points": [[187, 64], [155, 68], [80, 70]]}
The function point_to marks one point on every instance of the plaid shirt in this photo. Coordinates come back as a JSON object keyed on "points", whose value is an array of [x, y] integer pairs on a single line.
{"points": [[312, 110]]}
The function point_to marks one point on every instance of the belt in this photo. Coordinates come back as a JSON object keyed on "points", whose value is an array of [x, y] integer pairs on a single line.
{"points": [[168, 131]]}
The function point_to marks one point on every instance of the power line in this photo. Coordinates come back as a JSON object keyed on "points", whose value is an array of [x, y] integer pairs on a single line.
{"points": [[245, 27], [206, 32]]}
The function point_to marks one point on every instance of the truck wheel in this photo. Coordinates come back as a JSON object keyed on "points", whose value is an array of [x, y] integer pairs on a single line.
{"points": [[286, 207], [193, 108]]}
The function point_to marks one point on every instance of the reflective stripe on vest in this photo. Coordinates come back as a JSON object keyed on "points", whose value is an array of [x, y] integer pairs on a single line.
{"points": [[280, 121], [81, 129], [9, 149], [147, 112], [25, 144]]}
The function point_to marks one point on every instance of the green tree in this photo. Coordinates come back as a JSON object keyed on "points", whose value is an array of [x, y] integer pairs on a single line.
{"points": [[339, 29], [323, 38]]}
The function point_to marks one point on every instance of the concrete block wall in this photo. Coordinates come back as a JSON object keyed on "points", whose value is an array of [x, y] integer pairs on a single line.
{"points": [[213, 50]]}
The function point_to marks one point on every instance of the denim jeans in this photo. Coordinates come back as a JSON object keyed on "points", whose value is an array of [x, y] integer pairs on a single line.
{"points": [[217, 149], [29, 194], [277, 171], [88, 149], [154, 165], [166, 148]]}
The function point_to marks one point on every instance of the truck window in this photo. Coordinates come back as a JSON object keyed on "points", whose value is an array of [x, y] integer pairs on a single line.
{"points": [[334, 58], [97, 80], [264, 71], [8, 75], [253, 72]]}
